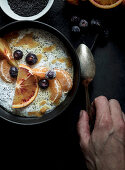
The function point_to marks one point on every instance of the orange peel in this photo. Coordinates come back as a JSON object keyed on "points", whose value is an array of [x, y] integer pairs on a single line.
{"points": [[100, 4]]}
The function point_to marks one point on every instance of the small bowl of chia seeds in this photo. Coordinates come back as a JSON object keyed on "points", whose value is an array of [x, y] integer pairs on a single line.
{"points": [[26, 9]]}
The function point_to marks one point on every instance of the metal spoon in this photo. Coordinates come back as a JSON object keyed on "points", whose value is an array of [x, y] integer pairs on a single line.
{"points": [[87, 65]]}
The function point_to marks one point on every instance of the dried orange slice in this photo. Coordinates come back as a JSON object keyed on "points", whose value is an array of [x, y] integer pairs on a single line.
{"points": [[4, 71], [106, 4], [40, 72], [26, 87], [55, 90], [5, 52], [65, 79]]}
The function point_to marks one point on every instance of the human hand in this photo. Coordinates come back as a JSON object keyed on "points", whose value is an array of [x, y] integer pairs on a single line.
{"points": [[104, 148]]}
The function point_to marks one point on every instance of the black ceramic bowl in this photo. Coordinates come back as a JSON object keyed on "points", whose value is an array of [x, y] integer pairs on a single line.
{"points": [[59, 109]]}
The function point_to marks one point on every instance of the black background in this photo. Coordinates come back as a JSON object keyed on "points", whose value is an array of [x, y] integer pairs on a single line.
{"points": [[55, 144]]}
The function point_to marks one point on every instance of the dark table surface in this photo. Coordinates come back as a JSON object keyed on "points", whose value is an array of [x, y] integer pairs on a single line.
{"points": [[55, 144]]}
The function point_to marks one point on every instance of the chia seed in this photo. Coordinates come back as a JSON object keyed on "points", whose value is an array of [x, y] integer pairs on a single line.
{"points": [[27, 8]]}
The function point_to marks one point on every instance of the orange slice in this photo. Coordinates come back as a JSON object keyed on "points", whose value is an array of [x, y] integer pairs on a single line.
{"points": [[61, 75], [106, 4], [26, 87], [6, 53], [40, 72], [55, 90], [74, 2], [65, 79], [4, 71]]}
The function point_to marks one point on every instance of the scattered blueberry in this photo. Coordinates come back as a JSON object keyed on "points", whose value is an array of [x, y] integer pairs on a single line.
{"points": [[31, 59], [83, 24], [80, 25], [13, 72], [43, 83], [104, 37], [18, 54], [75, 29], [106, 33], [96, 25], [75, 20], [50, 74]]}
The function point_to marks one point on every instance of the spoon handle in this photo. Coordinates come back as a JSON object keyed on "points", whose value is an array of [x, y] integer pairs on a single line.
{"points": [[88, 106]]}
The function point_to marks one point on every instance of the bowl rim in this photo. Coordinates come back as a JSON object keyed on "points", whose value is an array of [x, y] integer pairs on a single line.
{"points": [[106, 6], [4, 4]]}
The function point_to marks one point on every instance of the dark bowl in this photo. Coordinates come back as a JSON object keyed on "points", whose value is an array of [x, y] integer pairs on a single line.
{"points": [[59, 109]]}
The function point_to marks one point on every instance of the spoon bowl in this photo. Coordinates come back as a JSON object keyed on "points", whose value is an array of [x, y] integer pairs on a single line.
{"points": [[87, 63]]}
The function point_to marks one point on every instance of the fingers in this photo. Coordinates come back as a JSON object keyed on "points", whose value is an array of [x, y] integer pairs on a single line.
{"points": [[83, 129], [103, 115], [116, 113], [93, 109], [108, 116]]}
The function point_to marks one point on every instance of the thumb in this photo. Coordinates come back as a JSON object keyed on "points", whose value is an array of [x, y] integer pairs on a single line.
{"points": [[84, 129]]}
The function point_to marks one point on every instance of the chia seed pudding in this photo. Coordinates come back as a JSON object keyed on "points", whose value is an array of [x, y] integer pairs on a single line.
{"points": [[51, 53], [27, 8]]}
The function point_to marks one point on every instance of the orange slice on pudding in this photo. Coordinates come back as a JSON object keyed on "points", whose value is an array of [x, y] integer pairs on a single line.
{"points": [[106, 4], [26, 87], [62, 82], [62, 76], [5, 52], [55, 90], [4, 71], [65, 79], [40, 72]]}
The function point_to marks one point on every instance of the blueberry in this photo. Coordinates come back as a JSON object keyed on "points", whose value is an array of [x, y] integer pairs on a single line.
{"points": [[31, 59], [50, 74], [106, 33], [104, 37], [96, 25], [13, 72], [43, 83], [18, 54], [75, 29], [83, 24], [75, 20]]}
